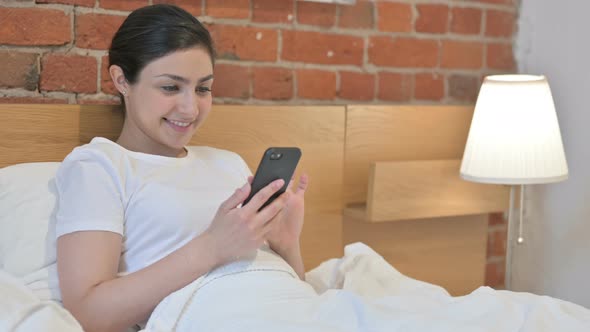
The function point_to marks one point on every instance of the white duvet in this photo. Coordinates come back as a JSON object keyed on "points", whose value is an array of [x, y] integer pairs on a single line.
{"points": [[21, 310], [358, 292]]}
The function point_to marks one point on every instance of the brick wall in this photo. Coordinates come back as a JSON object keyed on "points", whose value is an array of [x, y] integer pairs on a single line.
{"points": [[278, 51]]}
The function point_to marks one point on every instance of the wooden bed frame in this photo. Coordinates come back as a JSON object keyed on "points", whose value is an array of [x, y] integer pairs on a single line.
{"points": [[354, 156], [403, 194]]}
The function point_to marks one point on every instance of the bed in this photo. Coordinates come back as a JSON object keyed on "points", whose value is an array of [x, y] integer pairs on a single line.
{"points": [[377, 176]]}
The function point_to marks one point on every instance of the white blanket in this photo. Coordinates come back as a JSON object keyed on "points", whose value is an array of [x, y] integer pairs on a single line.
{"points": [[359, 292], [21, 310]]}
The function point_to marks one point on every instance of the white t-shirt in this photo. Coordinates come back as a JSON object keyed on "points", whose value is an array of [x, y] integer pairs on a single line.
{"points": [[156, 203]]}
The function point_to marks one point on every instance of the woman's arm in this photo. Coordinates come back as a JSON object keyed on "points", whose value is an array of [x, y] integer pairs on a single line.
{"points": [[293, 257], [101, 301]]}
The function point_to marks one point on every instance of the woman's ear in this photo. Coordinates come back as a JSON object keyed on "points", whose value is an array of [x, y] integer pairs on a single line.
{"points": [[118, 78]]}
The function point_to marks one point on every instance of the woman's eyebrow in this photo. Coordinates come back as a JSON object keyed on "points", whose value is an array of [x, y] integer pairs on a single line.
{"points": [[174, 77], [185, 80], [206, 78]]}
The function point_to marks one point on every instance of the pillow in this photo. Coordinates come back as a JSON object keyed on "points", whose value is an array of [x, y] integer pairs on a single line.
{"points": [[28, 199]]}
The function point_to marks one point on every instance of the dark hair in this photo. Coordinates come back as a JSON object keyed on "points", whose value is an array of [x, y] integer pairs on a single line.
{"points": [[152, 32]]}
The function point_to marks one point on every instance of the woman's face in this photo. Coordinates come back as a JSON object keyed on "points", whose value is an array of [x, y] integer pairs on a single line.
{"points": [[169, 101]]}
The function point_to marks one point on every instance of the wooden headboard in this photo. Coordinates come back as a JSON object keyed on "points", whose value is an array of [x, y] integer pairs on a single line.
{"points": [[384, 166], [404, 196]]}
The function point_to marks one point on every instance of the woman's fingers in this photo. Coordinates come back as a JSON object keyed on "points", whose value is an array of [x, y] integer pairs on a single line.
{"points": [[235, 199], [290, 185], [303, 183], [263, 195], [271, 210]]}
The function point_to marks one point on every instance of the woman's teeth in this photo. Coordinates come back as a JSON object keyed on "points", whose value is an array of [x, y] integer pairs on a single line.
{"points": [[178, 123]]}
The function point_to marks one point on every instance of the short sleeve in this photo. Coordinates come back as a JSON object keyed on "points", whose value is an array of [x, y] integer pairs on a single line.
{"points": [[242, 166], [89, 195]]}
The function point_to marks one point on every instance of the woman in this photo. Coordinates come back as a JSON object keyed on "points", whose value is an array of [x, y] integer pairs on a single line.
{"points": [[144, 216]]}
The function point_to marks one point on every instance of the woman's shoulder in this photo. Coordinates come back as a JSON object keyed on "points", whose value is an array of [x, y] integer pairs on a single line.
{"points": [[99, 149]]}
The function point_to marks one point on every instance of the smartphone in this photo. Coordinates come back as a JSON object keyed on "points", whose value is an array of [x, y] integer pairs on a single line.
{"points": [[277, 163]]}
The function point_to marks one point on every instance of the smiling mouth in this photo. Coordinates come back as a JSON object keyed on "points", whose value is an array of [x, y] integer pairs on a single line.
{"points": [[178, 123]]}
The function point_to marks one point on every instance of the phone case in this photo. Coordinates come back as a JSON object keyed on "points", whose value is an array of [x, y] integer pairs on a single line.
{"points": [[277, 163]]}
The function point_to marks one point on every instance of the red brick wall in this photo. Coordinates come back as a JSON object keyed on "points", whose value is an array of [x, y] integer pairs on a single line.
{"points": [[271, 51], [277, 51]]}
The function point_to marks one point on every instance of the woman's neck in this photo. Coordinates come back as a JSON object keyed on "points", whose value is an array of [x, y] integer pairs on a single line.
{"points": [[135, 140]]}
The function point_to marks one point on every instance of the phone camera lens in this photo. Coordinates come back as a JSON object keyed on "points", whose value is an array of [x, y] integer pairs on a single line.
{"points": [[275, 155]]}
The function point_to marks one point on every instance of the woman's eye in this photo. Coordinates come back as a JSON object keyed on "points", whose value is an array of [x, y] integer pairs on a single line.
{"points": [[203, 90], [170, 88]]}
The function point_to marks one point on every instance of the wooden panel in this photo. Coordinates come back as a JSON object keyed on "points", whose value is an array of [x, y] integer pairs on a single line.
{"points": [[49, 132], [31, 133], [394, 133], [428, 189], [100, 121], [449, 252], [446, 251]]}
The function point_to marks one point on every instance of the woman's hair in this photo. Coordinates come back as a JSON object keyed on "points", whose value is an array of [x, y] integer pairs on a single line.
{"points": [[152, 32]]}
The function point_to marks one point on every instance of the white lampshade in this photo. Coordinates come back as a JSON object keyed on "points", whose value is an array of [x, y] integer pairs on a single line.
{"points": [[514, 136]]}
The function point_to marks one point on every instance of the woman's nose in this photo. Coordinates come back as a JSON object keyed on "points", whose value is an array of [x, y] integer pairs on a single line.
{"points": [[190, 105]]}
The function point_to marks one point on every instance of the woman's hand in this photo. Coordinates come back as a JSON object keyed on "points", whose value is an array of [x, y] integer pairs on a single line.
{"points": [[235, 232], [283, 237]]}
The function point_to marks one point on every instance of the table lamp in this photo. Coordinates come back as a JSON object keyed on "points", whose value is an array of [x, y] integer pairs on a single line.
{"points": [[514, 139]]}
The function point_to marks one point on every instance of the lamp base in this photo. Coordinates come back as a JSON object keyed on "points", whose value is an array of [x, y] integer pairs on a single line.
{"points": [[510, 240]]}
